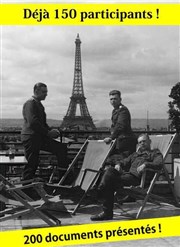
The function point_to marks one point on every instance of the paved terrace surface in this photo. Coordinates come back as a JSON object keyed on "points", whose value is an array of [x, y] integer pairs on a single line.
{"points": [[83, 217]]}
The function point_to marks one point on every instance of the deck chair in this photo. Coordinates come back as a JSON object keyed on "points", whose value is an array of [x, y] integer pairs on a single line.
{"points": [[96, 153], [21, 204], [163, 143]]}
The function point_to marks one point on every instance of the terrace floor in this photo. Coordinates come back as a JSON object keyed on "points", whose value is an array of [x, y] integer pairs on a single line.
{"points": [[83, 217]]}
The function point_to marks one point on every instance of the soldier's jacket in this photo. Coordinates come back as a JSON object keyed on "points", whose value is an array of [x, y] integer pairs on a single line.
{"points": [[152, 159], [121, 122], [34, 119]]}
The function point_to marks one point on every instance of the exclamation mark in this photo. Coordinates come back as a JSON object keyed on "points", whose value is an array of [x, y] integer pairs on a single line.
{"points": [[159, 227], [157, 12]]}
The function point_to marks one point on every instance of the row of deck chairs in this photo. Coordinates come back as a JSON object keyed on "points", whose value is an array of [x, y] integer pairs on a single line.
{"points": [[96, 153]]}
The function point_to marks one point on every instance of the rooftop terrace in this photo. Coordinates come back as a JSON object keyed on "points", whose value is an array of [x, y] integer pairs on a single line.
{"points": [[94, 207]]}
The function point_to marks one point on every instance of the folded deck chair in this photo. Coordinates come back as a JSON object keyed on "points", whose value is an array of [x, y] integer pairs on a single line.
{"points": [[96, 153], [21, 204], [164, 144]]}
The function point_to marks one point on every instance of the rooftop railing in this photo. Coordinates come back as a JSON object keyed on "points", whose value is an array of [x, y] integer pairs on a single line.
{"points": [[74, 140]]}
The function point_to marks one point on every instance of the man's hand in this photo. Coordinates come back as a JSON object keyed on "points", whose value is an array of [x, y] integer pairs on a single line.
{"points": [[141, 168], [54, 133], [118, 168], [107, 140]]}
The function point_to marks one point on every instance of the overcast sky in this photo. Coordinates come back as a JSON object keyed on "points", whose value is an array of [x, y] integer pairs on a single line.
{"points": [[141, 61]]}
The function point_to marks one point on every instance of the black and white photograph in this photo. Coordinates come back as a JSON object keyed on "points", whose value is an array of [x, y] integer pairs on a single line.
{"points": [[89, 126]]}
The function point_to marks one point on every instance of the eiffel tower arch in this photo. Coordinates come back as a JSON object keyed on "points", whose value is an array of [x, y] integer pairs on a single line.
{"points": [[83, 120]]}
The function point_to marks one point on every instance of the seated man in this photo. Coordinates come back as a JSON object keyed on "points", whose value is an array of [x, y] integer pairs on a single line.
{"points": [[114, 177]]}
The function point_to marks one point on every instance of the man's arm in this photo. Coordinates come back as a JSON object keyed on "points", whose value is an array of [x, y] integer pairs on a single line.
{"points": [[122, 164], [156, 163]]}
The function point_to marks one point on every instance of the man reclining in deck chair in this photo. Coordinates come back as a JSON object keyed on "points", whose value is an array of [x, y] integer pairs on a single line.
{"points": [[115, 178]]}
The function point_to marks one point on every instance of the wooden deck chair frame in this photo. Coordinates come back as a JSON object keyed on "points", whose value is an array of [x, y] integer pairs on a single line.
{"points": [[147, 195], [23, 204], [88, 175]]}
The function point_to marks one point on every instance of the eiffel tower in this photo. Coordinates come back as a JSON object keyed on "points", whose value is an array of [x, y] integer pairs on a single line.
{"points": [[84, 120]]}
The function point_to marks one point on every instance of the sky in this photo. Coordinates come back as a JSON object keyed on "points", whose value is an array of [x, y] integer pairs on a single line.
{"points": [[141, 61]]}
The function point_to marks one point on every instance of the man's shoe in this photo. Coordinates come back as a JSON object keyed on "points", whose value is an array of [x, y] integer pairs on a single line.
{"points": [[102, 216]]}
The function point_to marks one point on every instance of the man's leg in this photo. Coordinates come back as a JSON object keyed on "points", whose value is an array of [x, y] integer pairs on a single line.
{"points": [[107, 187], [57, 148], [127, 179], [31, 150], [111, 181]]}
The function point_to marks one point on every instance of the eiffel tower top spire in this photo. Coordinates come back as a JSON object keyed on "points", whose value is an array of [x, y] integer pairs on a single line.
{"points": [[84, 121], [78, 82]]}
